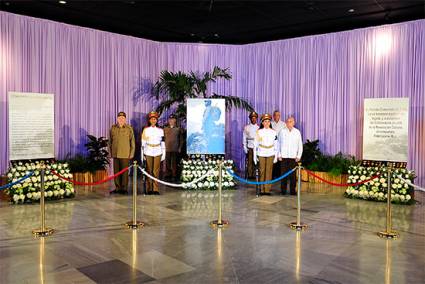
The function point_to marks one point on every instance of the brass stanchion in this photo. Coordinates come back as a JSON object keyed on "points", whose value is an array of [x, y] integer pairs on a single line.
{"points": [[220, 223], [298, 225], [43, 231], [389, 233], [134, 224]]}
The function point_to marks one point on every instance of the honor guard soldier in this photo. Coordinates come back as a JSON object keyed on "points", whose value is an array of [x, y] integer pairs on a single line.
{"points": [[153, 150], [265, 151], [121, 148], [173, 143], [248, 137]]}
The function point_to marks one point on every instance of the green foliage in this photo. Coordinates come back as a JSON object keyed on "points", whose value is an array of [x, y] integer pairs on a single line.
{"points": [[311, 152], [98, 153], [173, 89], [314, 160], [97, 158]]}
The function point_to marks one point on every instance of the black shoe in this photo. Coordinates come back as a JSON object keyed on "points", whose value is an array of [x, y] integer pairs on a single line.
{"points": [[283, 192], [156, 193], [268, 193], [293, 193], [149, 193]]}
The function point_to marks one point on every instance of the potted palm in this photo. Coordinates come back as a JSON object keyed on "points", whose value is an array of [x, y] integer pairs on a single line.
{"points": [[173, 89], [91, 168]]}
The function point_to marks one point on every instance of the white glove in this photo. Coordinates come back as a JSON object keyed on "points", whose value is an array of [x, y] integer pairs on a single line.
{"points": [[245, 149], [255, 160], [163, 156], [142, 157], [275, 160]]}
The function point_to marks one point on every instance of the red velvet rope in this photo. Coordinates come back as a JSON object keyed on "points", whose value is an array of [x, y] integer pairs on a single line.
{"points": [[94, 183], [341, 184]]}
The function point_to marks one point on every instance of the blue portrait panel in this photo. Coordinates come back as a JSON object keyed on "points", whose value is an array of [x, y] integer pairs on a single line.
{"points": [[206, 126]]}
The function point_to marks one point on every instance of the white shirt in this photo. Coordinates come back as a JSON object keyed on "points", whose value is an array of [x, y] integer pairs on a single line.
{"points": [[265, 143], [248, 136], [290, 144], [153, 141], [278, 126]]}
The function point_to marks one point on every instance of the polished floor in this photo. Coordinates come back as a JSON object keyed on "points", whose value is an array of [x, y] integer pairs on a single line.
{"points": [[177, 245]]}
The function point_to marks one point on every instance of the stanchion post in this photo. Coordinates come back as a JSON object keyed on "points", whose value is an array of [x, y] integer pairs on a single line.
{"points": [[389, 233], [257, 179], [298, 225], [43, 231], [220, 223], [134, 224]]}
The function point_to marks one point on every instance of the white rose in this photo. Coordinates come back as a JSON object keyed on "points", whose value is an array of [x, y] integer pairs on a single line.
{"points": [[22, 197], [382, 180], [394, 185], [402, 198], [200, 184], [16, 197], [406, 185], [384, 185], [225, 184], [363, 177], [50, 193], [55, 192], [408, 197], [231, 183], [9, 175], [397, 180], [212, 184], [29, 195], [13, 170]]}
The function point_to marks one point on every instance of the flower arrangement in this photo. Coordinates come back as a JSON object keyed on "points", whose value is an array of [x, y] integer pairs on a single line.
{"points": [[196, 168], [28, 191], [376, 189]]}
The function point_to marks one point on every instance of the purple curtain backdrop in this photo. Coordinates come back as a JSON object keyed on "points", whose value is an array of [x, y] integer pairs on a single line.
{"points": [[321, 80]]}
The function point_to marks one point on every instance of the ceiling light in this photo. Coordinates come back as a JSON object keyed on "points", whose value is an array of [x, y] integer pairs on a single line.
{"points": [[351, 11], [62, 2]]}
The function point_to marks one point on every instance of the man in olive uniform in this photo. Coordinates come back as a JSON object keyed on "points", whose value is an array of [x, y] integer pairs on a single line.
{"points": [[173, 143], [122, 146]]}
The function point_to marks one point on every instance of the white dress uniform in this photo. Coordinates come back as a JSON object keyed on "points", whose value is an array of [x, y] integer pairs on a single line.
{"points": [[265, 143], [153, 142], [265, 150], [248, 136]]}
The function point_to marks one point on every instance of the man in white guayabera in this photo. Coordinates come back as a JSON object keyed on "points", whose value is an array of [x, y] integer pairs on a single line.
{"points": [[290, 149]]}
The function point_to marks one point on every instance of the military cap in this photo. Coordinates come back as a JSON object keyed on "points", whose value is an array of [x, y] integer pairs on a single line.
{"points": [[266, 116], [153, 114]]}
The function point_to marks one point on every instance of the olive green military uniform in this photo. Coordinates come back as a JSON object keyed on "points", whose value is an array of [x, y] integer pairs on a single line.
{"points": [[122, 147]]}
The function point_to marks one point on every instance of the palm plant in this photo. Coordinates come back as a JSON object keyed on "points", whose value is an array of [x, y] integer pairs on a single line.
{"points": [[173, 89]]}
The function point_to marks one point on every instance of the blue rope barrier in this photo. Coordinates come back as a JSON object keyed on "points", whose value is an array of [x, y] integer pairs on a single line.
{"points": [[16, 182], [260, 182]]}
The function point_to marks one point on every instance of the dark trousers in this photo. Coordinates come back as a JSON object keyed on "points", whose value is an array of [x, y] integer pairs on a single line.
{"points": [[250, 163], [287, 165], [277, 167], [121, 182], [171, 163]]}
